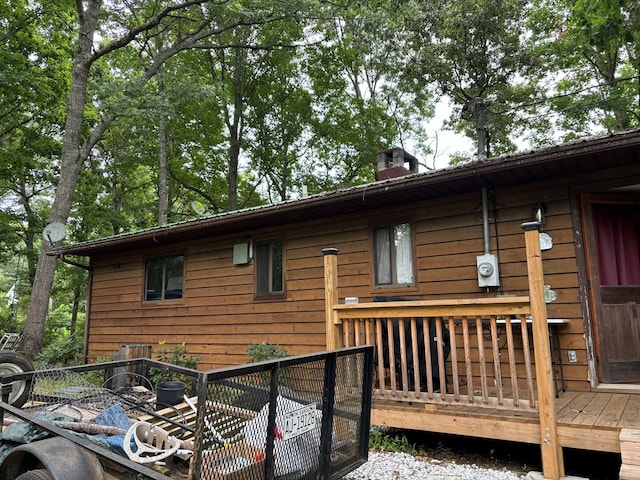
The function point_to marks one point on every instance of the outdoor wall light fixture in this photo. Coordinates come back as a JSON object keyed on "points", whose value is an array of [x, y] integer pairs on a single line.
{"points": [[539, 212]]}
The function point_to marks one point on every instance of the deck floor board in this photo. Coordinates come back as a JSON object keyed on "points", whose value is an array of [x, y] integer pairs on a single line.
{"points": [[586, 420], [610, 416], [592, 410], [630, 418]]}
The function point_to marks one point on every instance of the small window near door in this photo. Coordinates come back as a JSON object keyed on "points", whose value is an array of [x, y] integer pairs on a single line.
{"points": [[393, 255], [269, 267], [164, 278]]}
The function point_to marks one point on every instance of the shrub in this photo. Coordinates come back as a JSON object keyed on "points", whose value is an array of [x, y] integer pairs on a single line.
{"points": [[64, 352], [260, 352], [175, 355]]}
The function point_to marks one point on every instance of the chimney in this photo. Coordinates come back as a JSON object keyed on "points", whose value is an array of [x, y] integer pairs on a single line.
{"points": [[391, 163]]}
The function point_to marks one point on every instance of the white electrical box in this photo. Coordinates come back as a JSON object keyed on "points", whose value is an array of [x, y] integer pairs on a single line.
{"points": [[488, 275], [242, 252]]}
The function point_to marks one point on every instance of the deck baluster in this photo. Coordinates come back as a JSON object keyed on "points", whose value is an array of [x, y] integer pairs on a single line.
{"points": [[497, 373], [454, 359], [482, 360], [512, 363]]}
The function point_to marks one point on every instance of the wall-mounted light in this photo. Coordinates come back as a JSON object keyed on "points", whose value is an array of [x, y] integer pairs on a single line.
{"points": [[539, 212]]}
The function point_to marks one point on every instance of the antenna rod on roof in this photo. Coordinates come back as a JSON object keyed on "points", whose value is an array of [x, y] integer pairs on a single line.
{"points": [[480, 127]]}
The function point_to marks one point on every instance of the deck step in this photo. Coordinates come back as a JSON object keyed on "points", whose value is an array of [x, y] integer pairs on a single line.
{"points": [[630, 453]]}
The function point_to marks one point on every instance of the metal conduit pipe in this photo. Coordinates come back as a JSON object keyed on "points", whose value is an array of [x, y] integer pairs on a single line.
{"points": [[485, 219]]}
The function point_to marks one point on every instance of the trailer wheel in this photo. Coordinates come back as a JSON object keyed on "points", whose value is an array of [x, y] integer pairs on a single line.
{"points": [[11, 363], [54, 458], [34, 475]]}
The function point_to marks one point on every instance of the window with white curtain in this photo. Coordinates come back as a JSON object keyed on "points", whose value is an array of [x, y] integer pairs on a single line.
{"points": [[393, 255]]}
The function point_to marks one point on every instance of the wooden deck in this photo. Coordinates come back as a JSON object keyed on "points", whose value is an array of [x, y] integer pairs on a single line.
{"points": [[486, 371], [586, 420]]}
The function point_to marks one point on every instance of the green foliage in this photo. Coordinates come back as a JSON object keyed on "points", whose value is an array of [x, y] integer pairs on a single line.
{"points": [[286, 96], [175, 355], [378, 440], [470, 50], [259, 352], [62, 352]]}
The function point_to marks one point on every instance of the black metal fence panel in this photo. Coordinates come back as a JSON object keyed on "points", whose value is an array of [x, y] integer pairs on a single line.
{"points": [[296, 418]]}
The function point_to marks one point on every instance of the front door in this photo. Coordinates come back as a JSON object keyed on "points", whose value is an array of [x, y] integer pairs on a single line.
{"points": [[612, 225]]}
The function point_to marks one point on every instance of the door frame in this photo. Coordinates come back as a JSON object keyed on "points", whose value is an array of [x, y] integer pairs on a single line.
{"points": [[588, 266]]}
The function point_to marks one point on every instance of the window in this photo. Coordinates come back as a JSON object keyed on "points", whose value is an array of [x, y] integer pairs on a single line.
{"points": [[163, 278], [393, 258], [269, 270]]}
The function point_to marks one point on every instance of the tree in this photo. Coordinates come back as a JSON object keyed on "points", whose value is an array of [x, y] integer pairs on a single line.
{"points": [[34, 54], [592, 47], [473, 52], [124, 26], [363, 101]]}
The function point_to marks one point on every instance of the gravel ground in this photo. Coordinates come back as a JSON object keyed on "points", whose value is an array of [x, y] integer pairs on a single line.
{"points": [[402, 466]]}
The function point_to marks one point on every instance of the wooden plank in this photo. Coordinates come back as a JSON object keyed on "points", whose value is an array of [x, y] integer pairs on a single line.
{"points": [[552, 459], [629, 472], [610, 416], [564, 399], [630, 446], [496, 358], [454, 360], [592, 410], [517, 430], [572, 410], [482, 360], [584, 438], [630, 418], [333, 334], [467, 358]]}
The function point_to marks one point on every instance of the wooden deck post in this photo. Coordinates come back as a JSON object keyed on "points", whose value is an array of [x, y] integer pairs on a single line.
{"points": [[334, 337], [552, 460]]}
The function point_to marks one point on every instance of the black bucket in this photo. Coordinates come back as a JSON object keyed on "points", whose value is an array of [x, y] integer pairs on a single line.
{"points": [[169, 393]]}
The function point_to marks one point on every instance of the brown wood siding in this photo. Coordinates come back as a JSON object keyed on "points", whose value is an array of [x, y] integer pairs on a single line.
{"points": [[220, 316]]}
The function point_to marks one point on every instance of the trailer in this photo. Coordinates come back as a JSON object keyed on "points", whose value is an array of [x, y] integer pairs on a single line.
{"points": [[301, 417]]}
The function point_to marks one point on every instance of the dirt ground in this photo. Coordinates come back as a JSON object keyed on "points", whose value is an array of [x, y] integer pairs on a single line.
{"points": [[517, 457]]}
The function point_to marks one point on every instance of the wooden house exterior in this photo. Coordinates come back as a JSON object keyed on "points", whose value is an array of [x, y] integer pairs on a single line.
{"points": [[258, 275]]}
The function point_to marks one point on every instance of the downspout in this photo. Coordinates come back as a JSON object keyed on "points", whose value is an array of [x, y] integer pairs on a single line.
{"points": [[87, 316]]}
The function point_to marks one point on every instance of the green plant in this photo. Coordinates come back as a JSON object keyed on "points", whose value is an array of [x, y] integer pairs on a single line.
{"points": [[64, 352], [175, 355], [260, 352], [391, 443]]}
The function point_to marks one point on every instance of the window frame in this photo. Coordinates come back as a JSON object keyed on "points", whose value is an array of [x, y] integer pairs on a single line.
{"points": [[164, 278], [259, 274], [390, 228]]}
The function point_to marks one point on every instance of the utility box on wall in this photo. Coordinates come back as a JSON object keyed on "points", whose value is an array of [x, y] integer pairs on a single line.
{"points": [[488, 275], [242, 252]]}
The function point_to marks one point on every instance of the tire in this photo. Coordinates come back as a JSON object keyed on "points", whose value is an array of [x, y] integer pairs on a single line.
{"points": [[34, 475], [11, 363]]}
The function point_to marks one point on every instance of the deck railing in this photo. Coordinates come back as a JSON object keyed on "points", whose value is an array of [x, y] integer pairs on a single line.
{"points": [[488, 363], [446, 352]]}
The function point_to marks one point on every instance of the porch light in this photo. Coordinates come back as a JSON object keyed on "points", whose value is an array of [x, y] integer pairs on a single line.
{"points": [[539, 211]]}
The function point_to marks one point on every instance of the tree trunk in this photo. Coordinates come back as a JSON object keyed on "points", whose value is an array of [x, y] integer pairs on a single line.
{"points": [[70, 167], [235, 126]]}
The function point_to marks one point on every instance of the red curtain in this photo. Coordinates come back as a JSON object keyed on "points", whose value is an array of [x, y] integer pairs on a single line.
{"points": [[617, 231]]}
